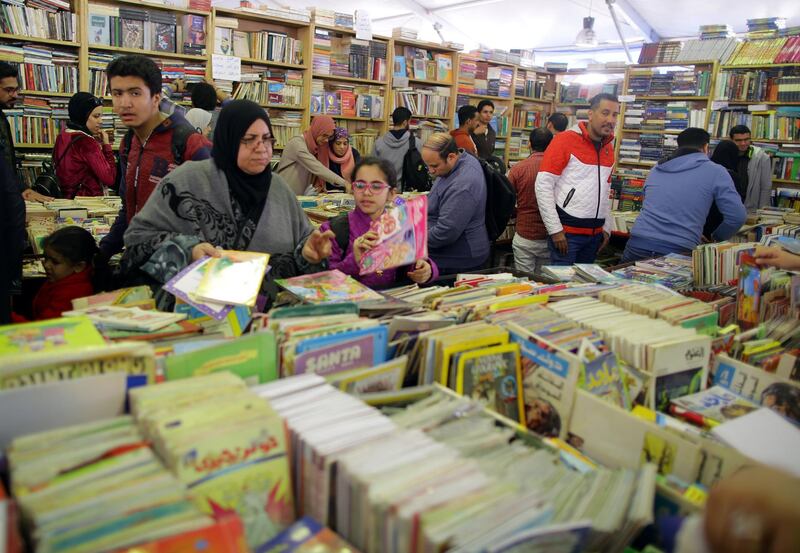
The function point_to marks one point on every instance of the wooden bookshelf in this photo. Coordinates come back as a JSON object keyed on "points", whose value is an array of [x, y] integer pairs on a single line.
{"points": [[352, 118], [259, 17], [421, 116], [764, 140], [786, 181], [613, 77], [35, 146], [152, 5], [673, 98], [266, 63], [429, 82], [647, 131], [487, 97], [757, 66], [758, 102], [349, 80], [524, 99], [33, 39], [151, 53], [46, 94], [287, 107]]}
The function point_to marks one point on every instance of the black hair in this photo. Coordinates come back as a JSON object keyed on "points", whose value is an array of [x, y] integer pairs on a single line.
{"points": [[75, 244], [465, 113], [787, 397], [726, 154], [204, 96], [483, 103], [386, 168], [540, 139], [400, 115], [693, 137], [135, 65], [559, 121], [594, 103], [8, 70], [739, 129]]}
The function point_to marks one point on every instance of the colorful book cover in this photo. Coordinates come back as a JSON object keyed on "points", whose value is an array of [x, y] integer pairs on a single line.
{"points": [[386, 377], [184, 285], [123, 296], [252, 357], [327, 355], [444, 68], [419, 69], [493, 377], [602, 377], [400, 69], [328, 287], [165, 37], [317, 102], [402, 232], [716, 403], [50, 335], [233, 278], [258, 491], [748, 296], [224, 535], [307, 536], [332, 104], [126, 318]]}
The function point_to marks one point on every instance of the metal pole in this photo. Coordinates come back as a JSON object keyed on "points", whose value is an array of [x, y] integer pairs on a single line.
{"points": [[610, 4]]}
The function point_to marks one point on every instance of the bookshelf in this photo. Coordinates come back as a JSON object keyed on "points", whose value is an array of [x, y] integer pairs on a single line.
{"points": [[423, 80], [535, 91], [660, 100], [481, 79], [577, 87]]}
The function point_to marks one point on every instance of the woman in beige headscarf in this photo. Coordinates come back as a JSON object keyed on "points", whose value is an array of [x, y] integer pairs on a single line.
{"points": [[304, 161]]}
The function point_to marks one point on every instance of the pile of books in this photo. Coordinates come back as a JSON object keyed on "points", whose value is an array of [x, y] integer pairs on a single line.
{"points": [[708, 49], [347, 100], [97, 486], [715, 31], [627, 189], [717, 263], [321, 58], [672, 271], [764, 26], [285, 126], [406, 33], [417, 466], [424, 101], [658, 303], [532, 85], [660, 52]]}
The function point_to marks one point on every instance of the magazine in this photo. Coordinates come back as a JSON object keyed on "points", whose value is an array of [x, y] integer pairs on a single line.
{"points": [[402, 236]]}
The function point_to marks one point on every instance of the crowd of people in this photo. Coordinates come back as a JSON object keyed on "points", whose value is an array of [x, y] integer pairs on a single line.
{"points": [[193, 181]]}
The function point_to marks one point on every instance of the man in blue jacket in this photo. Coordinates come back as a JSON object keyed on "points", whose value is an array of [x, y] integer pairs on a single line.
{"points": [[678, 193], [457, 237]]}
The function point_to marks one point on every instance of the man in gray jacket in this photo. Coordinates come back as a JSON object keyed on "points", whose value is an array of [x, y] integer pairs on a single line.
{"points": [[393, 145], [755, 163]]}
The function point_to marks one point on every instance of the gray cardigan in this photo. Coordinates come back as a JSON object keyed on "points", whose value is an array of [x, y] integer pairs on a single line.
{"points": [[192, 204], [299, 167], [759, 180]]}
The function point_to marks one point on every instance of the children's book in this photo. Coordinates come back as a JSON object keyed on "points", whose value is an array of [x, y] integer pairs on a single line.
{"points": [[126, 318], [233, 278], [327, 287], [716, 403], [386, 377], [307, 536], [493, 377], [48, 336], [402, 232], [748, 295], [603, 377], [135, 297], [185, 284], [253, 357], [345, 351]]}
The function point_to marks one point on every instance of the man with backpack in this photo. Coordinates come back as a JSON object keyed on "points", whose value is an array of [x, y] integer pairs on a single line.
{"points": [[154, 145], [402, 149], [457, 236]]}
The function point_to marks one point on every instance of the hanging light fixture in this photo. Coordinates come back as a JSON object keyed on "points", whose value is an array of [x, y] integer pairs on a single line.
{"points": [[587, 38]]}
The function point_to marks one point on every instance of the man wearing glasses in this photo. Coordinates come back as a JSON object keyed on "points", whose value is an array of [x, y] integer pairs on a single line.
{"points": [[9, 90]]}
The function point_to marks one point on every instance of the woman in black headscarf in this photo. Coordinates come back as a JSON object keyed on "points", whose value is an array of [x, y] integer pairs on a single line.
{"points": [[726, 154], [232, 201], [82, 156]]}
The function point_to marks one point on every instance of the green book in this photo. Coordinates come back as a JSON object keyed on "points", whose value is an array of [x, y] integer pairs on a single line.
{"points": [[253, 357]]}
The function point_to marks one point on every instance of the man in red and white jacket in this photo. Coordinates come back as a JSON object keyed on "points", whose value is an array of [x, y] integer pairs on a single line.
{"points": [[573, 183]]}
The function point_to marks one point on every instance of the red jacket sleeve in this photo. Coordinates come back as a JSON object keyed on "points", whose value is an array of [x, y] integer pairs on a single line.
{"points": [[198, 147], [100, 160]]}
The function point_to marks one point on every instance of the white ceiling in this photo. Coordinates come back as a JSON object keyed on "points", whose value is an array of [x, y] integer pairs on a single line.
{"points": [[551, 23]]}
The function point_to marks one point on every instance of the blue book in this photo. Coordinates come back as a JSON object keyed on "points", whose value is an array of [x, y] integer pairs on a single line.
{"points": [[355, 349]]}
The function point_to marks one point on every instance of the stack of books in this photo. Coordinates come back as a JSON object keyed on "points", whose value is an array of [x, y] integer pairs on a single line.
{"points": [[764, 27], [286, 126], [322, 16], [321, 59], [273, 87], [406, 33], [715, 31], [718, 263], [52, 20], [37, 120], [45, 69]]}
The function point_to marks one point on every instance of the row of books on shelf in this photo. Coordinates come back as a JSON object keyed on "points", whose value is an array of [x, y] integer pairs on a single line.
{"points": [[331, 18], [789, 197], [37, 120], [782, 123], [433, 101], [728, 51], [355, 101], [283, 87], [261, 45], [286, 125], [348, 56], [649, 82], [519, 145], [774, 85], [480, 77], [42, 68], [531, 84], [577, 93], [142, 29], [422, 64], [30, 21], [627, 189], [659, 116], [527, 119], [647, 148]]}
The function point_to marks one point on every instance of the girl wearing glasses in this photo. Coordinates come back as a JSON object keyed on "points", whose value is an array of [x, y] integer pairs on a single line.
{"points": [[374, 185], [83, 158], [232, 201]]}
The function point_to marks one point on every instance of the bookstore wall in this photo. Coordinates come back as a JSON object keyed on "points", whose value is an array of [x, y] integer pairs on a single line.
{"points": [[582, 408]]}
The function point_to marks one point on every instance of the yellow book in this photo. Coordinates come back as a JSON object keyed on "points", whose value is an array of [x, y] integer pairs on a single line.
{"points": [[488, 335], [493, 376]]}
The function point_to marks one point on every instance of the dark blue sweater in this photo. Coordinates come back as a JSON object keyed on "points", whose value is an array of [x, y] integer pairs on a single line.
{"points": [[457, 237]]}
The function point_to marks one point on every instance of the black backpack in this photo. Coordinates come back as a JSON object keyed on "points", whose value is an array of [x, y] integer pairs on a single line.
{"points": [[415, 173], [340, 225], [47, 182], [501, 199]]}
